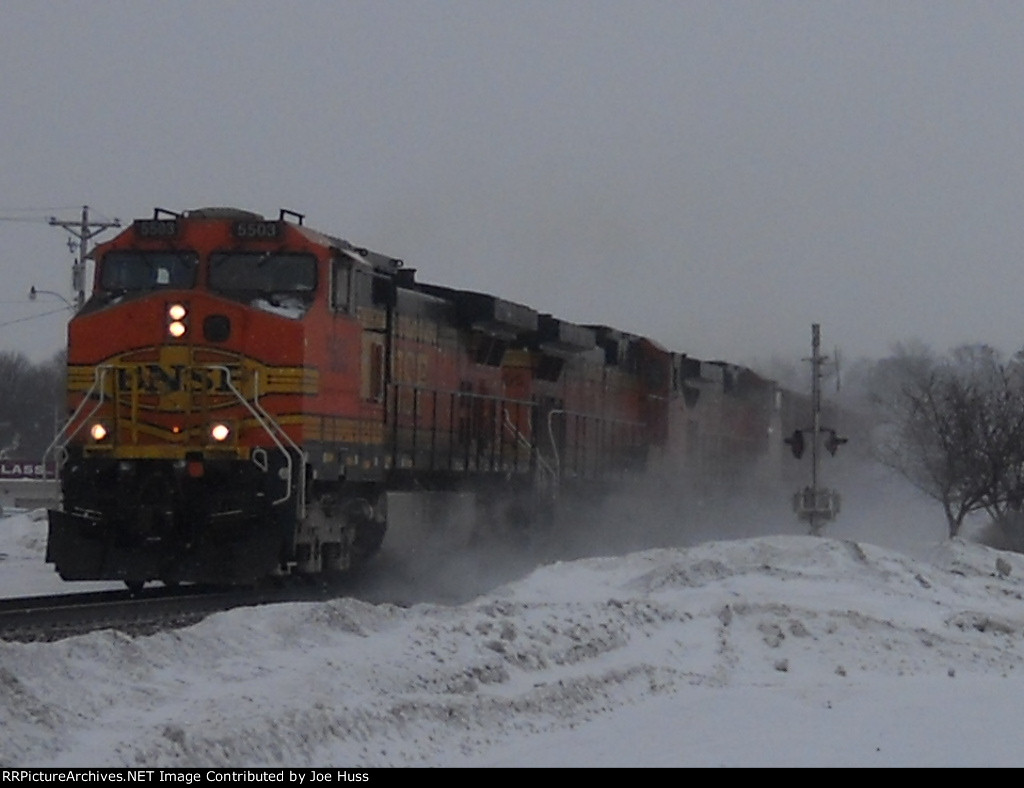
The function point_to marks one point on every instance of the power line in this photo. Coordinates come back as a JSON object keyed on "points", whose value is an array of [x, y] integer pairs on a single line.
{"points": [[42, 213], [37, 208], [32, 317]]}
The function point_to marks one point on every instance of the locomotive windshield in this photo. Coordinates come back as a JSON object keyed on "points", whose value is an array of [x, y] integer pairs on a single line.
{"points": [[236, 272], [125, 271], [268, 280]]}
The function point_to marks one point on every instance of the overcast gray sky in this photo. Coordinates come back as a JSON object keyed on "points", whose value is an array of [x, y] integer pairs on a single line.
{"points": [[716, 175]]}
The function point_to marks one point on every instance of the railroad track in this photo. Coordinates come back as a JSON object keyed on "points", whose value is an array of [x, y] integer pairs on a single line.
{"points": [[50, 618], [157, 608]]}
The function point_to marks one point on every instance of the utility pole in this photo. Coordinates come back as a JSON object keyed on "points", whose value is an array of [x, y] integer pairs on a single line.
{"points": [[83, 230]]}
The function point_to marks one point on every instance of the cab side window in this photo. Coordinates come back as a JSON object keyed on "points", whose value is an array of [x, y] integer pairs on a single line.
{"points": [[341, 286]]}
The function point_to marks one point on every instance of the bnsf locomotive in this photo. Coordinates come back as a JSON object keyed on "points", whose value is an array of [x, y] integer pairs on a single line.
{"points": [[245, 392]]}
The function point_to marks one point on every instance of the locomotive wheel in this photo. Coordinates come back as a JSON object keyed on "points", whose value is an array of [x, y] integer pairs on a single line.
{"points": [[369, 532]]}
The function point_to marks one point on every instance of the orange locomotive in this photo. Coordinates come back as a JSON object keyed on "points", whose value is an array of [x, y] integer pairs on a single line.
{"points": [[245, 392]]}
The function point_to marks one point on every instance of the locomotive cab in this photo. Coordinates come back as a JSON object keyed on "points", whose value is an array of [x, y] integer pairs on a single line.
{"points": [[181, 460]]}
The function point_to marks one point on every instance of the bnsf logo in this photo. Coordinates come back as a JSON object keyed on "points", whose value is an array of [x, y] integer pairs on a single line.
{"points": [[177, 378]]}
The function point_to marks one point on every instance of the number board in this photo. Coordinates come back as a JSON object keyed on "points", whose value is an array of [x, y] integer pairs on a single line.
{"points": [[257, 229], [156, 228]]}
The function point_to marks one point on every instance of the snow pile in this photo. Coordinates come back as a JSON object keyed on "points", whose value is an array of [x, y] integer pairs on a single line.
{"points": [[783, 650]]}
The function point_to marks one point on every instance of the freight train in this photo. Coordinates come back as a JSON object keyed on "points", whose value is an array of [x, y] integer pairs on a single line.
{"points": [[245, 393]]}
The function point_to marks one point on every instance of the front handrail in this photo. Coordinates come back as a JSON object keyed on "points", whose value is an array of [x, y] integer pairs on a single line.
{"points": [[255, 408], [63, 436], [273, 429]]}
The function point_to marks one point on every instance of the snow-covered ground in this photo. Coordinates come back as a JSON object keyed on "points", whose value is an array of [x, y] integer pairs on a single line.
{"points": [[879, 644]]}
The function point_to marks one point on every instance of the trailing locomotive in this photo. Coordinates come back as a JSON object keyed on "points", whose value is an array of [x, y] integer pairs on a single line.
{"points": [[244, 393]]}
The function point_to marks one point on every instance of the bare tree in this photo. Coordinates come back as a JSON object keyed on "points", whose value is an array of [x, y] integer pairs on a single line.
{"points": [[954, 427], [1005, 504], [14, 371], [30, 404]]}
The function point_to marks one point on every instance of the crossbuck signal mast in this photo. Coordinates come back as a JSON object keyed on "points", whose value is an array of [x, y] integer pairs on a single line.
{"points": [[83, 230], [814, 504]]}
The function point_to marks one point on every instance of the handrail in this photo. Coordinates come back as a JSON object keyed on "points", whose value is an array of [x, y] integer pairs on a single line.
{"points": [[522, 440], [255, 408], [98, 376], [267, 422], [564, 412]]}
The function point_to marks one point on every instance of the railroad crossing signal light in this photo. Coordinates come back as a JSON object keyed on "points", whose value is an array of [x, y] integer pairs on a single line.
{"points": [[833, 442], [796, 443]]}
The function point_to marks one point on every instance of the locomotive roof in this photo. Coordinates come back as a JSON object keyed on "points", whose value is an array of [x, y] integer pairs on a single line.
{"points": [[221, 212], [380, 262]]}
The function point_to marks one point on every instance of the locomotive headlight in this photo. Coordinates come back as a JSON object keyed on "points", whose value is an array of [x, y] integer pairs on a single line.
{"points": [[98, 432], [220, 432], [177, 325]]}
